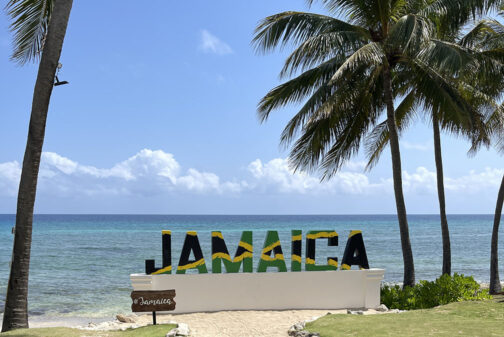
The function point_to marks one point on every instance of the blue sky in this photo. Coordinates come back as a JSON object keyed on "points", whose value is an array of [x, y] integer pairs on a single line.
{"points": [[159, 117]]}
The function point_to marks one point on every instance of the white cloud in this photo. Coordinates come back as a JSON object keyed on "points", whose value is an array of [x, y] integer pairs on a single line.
{"points": [[210, 43], [146, 173], [421, 181], [355, 165], [276, 175], [475, 181], [10, 173], [150, 173], [206, 182]]}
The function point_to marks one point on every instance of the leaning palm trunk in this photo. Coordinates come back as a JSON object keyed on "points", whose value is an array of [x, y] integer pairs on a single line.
{"points": [[16, 304], [445, 233], [409, 268], [495, 286]]}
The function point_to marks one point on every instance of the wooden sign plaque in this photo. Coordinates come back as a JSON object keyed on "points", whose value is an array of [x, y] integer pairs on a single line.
{"points": [[146, 301]]}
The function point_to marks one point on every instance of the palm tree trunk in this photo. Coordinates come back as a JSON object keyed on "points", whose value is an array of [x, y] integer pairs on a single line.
{"points": [[16, 304], [495, 286], [445, 233], [409, 268]]}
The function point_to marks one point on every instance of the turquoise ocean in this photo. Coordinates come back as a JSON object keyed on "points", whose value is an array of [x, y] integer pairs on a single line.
{"points": [[81, 264]]}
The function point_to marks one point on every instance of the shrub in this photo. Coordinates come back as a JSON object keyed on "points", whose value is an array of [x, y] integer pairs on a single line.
{"points": [[428, 294]]}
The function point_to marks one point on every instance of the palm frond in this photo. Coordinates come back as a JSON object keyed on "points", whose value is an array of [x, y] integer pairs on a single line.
{"points": [[369, 54], [298, 88], [295, 27], [456, 13], [410, 33], [457, 115], [312, 106], [378, 138], [448, 56], [361, 12], [30, 22], [332, 134], [322, 47], [484, 33]]}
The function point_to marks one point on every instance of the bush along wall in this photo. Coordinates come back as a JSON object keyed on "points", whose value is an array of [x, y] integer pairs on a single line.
{"points": [[428, 294]]}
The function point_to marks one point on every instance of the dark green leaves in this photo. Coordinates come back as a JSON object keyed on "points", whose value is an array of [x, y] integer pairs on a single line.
{"points": [[341, 63], [30, 21]]}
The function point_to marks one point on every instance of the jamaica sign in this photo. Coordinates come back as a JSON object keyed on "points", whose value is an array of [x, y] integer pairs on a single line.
{"points": [[272, 254]]}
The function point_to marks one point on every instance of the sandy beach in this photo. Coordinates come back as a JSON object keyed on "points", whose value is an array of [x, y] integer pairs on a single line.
{"points": [[243, 323], [211, 324]]}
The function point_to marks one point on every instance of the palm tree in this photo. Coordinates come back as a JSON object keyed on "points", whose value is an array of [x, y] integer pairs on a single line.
{"points": [[38, 26], [378, 139], [353, 70], [488, 36], [461, 128], [495, 286], [480, 83]]}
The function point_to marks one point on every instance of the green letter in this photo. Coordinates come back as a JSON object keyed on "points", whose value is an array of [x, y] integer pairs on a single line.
{"points": [[332, 240], [272, 245], [243, 254]]}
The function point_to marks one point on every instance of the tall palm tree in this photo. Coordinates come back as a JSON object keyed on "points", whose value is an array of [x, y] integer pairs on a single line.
{"points": [[480, 81], [450, 34], [488, 36], [348, 69], [39, 26], [495, 285]]}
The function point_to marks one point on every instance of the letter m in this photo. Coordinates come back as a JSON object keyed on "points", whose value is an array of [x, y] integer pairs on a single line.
{"points": [[220, 254]]}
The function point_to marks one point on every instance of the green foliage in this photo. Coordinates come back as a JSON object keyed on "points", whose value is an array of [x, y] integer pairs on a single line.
{"points": [[336, 72], [146, 331], [461, 319], [429, 294], [30, 20]]}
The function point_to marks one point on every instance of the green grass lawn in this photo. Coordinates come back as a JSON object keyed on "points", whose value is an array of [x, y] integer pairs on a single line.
{"points": [[148, 331], [475, 319]]}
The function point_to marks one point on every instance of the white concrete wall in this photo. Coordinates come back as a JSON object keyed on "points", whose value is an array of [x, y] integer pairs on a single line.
{"points": [[268, 291]]}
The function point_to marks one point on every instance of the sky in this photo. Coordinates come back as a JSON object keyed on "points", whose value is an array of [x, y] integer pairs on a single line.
{"points": [[160, 117]]}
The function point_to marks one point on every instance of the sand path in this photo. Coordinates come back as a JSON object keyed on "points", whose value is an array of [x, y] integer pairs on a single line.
{"points": [[242, 323]]}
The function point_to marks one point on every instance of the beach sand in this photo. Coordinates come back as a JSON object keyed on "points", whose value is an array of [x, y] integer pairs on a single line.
{"points": [[209, 324], [241, 323]]}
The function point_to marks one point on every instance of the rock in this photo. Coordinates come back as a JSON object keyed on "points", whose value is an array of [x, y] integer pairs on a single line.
{"points": [[126, 319], [382, 308], [394, 311], [172, 333], [183, 329], [305, 333], [293, 330], [298, 326], [297, 330], [355, 312]]}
